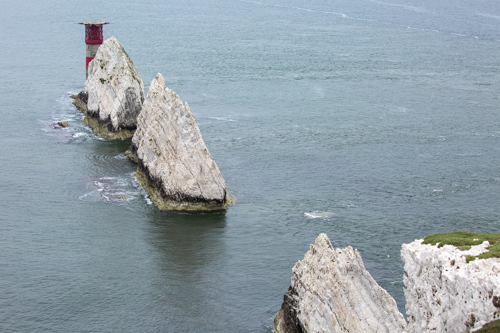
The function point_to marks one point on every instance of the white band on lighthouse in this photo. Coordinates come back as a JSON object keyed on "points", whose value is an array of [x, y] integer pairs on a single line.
{"points": [[91, 50]]}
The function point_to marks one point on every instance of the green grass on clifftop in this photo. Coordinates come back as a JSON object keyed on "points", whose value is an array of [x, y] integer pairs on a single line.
{"points": [[492, 327], [464, 240]]}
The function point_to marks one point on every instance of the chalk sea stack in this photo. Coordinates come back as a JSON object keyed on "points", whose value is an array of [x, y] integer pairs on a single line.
{"points": [[331, 291], [446, 287], [174, 165], [113, 93]]}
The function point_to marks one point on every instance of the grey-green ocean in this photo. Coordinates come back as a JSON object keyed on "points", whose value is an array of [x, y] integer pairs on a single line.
{"points": [[376, 122]]}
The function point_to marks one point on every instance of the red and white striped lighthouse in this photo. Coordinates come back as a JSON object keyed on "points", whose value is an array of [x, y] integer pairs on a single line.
{"points": [[93, 38]]}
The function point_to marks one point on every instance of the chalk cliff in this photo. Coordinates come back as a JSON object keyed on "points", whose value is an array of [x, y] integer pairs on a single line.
{"points": [[444, 293], [174, 165], [331, 291], [113, 93]]}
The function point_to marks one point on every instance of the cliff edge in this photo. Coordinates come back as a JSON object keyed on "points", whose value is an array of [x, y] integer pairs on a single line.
{"points": [[174, 164], [447, 288], [113, 93]]}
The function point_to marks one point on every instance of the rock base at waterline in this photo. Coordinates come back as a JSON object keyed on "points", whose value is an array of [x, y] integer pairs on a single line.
{"points": [[101, 128], [168, 204]]}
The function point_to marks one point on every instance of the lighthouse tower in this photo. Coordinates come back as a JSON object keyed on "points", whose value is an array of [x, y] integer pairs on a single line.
{"points": [[93, 38]]}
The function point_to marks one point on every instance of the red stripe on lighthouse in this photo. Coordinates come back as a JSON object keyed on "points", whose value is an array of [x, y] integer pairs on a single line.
{"points": [[87, 61], [93, 38]]}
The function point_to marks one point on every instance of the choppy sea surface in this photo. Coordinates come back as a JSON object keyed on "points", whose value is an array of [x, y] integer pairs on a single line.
{"points": [[376, 122]]}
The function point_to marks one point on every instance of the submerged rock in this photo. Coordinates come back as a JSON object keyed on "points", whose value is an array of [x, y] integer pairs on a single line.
{"points": [[445, 293], [331, 291], [113, 93], [175, 166]]}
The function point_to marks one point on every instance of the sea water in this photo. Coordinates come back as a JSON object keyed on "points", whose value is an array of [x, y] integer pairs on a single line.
{"points": [[376, 122]]}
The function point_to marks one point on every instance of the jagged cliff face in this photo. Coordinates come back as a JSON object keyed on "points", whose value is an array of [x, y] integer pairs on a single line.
{"points": [[446, 294], [114, 92], [175, 166], [331, 291]]}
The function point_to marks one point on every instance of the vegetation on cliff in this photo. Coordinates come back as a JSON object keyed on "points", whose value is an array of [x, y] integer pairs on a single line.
{"points": [[464, 240], [491, 327]]}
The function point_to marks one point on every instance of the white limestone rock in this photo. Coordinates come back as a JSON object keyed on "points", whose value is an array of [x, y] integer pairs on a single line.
{"points": [[331, 291], [114, 92], [446, 294], [175, 166]]}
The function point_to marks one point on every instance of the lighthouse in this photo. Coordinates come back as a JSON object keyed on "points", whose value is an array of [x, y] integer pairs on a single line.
{"points": [[93, 38]]}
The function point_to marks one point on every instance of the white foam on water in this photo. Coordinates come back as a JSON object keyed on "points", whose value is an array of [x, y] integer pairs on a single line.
{"points": [[304, 9], [307, 10], [496, 17], [221, 119], [256, 2], [339, 14], [397, 282], [93, 196], [407, 7], [121, 157], [141, 190], [319, 215], [111, 189], [65, 111], [433, 30], [117, 196]]}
